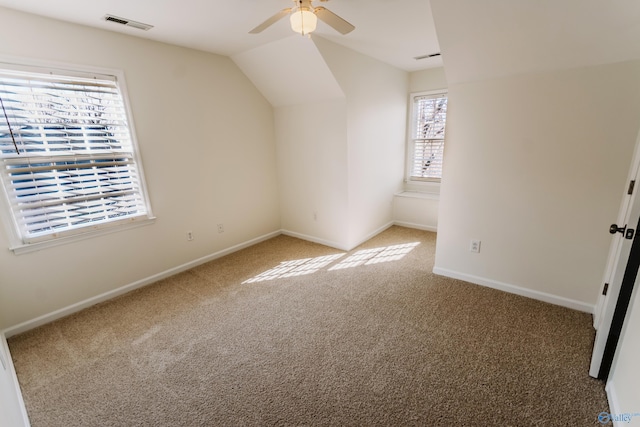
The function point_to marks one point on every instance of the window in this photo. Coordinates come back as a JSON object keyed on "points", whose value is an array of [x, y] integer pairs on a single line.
{"points": [[67, 153], [428, 116]]}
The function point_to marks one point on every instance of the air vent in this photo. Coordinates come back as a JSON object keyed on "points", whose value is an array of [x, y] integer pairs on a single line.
{"points": [[128, 22], [417, 58]]}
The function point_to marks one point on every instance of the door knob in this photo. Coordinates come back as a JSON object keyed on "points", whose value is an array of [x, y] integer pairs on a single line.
{"points": [[615, 229]]}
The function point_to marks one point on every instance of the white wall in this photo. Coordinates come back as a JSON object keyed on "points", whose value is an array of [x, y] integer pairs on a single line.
{"points": [[416, 210], [289, 71], [311, 136], [423, 81], [429, 79], [623, 386], [376, 96], [12, 413], [208, 147], [411, 209], [534, 167], [312, 170]]}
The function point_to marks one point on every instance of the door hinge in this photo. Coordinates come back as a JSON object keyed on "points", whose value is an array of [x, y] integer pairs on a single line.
{"points": [[606, 288], [631, 185]]}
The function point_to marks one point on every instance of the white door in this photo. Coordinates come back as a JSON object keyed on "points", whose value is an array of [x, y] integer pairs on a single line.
{"points": [[616, 264]]}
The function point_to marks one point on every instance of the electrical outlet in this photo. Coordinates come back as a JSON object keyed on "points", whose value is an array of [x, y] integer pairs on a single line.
{"points": [[474, 246], [189, 235], [220, 228]]}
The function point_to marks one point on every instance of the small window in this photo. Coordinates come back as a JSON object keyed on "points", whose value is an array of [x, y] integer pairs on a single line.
{"points": [[68, 157], [428, 117]]}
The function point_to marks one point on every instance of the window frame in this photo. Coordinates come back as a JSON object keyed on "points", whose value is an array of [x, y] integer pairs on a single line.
{"points": [[424, 184], [16, 242]]}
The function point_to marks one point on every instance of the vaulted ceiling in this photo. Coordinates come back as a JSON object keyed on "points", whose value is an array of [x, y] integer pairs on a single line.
{"points": [[478, 39], [482, 39], [392, 31]]}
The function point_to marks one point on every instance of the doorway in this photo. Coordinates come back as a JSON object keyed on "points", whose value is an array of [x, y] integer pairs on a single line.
{"points": [[619, 278]]}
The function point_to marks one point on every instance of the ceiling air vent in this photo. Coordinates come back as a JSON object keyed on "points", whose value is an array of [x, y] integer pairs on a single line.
{"points": [[417, 58], [127, 22]]}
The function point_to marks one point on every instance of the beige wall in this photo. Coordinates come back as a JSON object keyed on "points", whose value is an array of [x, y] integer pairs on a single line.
{"points": [[207, 141], [340, 160], [429, 79], [376, 100], [535, 166], [289, 71], [422, 81], [417, 210], [312, 170]]}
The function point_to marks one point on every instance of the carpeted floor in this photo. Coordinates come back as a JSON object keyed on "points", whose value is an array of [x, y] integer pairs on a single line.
{"points": [[289, 332]]}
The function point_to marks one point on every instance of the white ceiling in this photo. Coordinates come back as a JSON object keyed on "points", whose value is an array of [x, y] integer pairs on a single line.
{"points": [[392, 31], [282, 68], [482, 39]]}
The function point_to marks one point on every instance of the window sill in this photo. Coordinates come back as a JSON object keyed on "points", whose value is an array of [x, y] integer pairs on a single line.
{"points": [[427, 187], [418, 195], [22, 248]]}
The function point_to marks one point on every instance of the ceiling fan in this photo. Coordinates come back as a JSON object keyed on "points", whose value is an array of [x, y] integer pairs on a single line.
{"points": [[304, 17]]}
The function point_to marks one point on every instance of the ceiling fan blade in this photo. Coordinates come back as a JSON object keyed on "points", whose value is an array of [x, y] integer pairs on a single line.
{"points": [[275, 18], [333, 20]]}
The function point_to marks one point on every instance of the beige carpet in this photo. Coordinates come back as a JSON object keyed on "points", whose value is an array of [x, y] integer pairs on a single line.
{"points": [[370, 337]]}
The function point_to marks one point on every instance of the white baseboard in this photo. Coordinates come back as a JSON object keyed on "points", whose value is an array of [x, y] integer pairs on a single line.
{"points": [[371, 235], [334, 244], [313, 239], [620, 416], [614, 404], [73, 308], [374, 233], [416, 226], [513, 289], [349, 247], [12, 409]]}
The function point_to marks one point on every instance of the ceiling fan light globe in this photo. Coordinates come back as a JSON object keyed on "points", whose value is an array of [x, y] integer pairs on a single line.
{"points": [[303, 21]]}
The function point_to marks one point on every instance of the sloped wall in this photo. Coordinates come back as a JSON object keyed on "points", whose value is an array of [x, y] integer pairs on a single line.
{"points": [[376, 99], [207, 141], [289, 71], [340, 131], [311, 134]]}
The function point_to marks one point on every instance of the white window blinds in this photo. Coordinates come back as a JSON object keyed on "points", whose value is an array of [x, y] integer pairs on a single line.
{"points": [[429, 117], [68, 162]]}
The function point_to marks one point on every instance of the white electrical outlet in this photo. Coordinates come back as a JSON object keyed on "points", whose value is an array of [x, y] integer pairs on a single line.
{"points": [[474, 246], [189, 235], [220, 228]]}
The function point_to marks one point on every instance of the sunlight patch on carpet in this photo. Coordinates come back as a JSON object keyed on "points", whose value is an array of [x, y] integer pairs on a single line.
{"points": [[302, 267], [298, 267], [376, 255]]}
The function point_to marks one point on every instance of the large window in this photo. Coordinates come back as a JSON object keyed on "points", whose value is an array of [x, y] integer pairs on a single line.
{"points": [[426, 139], [68, 157]]}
